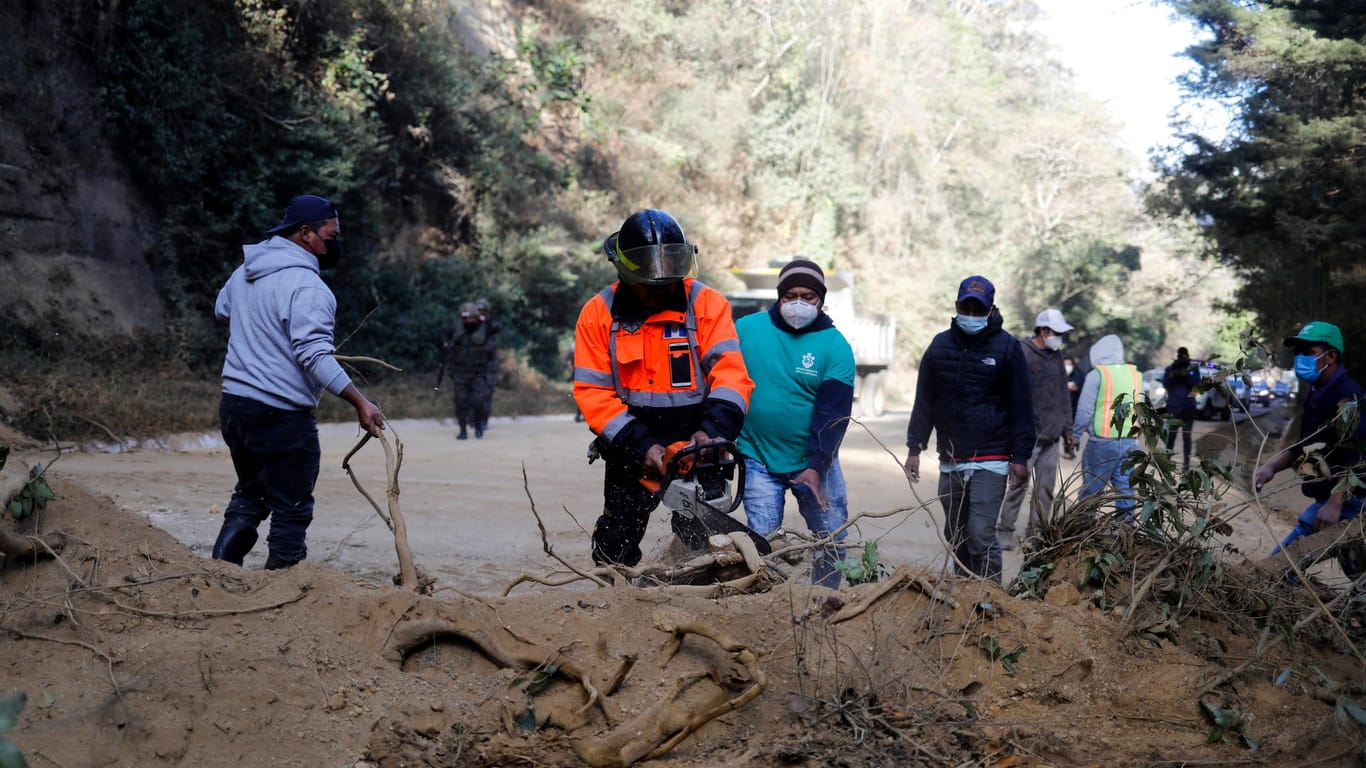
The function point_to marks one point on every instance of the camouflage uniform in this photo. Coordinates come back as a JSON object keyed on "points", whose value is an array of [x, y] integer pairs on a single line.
{"points": [[471, 353]]}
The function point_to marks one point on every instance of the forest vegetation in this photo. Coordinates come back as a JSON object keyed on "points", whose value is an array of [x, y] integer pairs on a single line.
{"points": [[484, 149]]}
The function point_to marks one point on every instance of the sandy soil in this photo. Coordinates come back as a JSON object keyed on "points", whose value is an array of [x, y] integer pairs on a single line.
{"points": [[135, 650]]}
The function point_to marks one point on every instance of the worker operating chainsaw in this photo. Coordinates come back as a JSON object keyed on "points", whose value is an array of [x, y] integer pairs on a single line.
{"points": [[656, 362]]}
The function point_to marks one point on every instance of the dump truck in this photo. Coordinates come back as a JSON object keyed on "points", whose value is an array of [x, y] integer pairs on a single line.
{"points": [[871, 334]]}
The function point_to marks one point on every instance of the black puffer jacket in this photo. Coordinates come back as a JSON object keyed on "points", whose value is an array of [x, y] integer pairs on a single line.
{"points": [[973, 391]]}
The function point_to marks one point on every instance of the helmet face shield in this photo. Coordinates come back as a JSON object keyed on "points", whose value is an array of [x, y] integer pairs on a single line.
{"points": [[655, 264]]}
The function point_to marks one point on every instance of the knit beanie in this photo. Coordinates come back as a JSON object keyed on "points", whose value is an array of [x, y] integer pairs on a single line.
{"points": [[803, 273]]}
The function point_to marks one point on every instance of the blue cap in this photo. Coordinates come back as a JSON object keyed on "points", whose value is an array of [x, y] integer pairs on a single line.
{"points": [[978, 287], [303, 209]]}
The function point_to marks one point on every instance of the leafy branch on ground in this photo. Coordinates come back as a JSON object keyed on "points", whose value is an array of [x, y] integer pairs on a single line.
{"points": [[10, 757]]}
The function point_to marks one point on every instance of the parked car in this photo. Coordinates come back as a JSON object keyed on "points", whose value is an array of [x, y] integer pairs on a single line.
{"points": [[1211, 396], [1153, 389], [1258, 391], [1284, 388], [1213, 403]]}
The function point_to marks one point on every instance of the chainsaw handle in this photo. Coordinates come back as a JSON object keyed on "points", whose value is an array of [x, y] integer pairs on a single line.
{"points": [[682, 459]]}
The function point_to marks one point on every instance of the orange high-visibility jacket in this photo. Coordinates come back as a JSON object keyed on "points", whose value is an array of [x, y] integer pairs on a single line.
{"points": [[673, 360]]}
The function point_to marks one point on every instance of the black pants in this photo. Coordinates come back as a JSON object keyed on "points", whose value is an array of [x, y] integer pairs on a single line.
{"points": [[276, 455], [626, 508], [472, 400], [1187, 422]]}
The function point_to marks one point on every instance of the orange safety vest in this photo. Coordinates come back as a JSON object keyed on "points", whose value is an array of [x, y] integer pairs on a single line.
{"points": [[1117, 380], [673, 359]]}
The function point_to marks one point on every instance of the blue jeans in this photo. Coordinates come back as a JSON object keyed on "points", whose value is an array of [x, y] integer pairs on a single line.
{"points": [[276, 455], [972, 500], [765, 495], [1102, 463]]}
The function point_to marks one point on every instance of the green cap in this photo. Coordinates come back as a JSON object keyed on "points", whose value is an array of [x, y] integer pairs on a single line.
{"points": [[1317, 332]]}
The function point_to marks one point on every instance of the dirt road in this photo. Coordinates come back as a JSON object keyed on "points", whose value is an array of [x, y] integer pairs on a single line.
{"points": [[467, 509]]}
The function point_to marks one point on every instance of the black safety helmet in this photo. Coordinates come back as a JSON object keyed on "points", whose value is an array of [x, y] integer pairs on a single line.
{"points": [[651, 249]]}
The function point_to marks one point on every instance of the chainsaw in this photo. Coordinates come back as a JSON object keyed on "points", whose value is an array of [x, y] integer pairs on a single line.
{"points": [[695, 488]]}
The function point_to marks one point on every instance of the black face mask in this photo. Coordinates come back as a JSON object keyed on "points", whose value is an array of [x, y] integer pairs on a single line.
{"points": [[333, 255], [471, 325]]}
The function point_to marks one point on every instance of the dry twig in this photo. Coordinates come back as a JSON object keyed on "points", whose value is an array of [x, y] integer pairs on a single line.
{"points": [[902, 575]]}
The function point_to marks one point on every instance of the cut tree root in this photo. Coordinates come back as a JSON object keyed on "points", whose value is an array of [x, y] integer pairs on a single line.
{"points": [[502, 647], [902, 575], [393, 460], [695, 698], [664, 725], [17, 548]]}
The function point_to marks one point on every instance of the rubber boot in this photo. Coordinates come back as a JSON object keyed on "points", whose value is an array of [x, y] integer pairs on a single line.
{"points": [[275, 563], [235, 540]]}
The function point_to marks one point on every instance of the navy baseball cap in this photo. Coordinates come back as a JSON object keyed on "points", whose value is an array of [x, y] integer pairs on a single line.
{"points": [[303, 209], [977, 287]]}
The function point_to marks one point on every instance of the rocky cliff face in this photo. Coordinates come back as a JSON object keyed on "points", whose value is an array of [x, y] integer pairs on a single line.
{"points": [[73, 233]]}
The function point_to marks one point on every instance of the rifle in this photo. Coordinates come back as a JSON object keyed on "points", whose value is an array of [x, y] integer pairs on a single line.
{"points": [[441, 367]]}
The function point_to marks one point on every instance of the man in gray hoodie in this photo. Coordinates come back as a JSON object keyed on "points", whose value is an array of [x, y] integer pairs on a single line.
{"points": [[1052, 421], [280, 359], [1110, 380]]}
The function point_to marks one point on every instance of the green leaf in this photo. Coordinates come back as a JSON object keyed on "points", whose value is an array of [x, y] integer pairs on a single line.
{"points": [[1282, 677], [10, 709], [539, 680], [526, 721], [10, 756], [1353, 709], [16, 509]]}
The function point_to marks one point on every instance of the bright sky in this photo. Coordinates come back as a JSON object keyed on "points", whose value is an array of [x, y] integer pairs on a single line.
{"points": [[1126, 53]]}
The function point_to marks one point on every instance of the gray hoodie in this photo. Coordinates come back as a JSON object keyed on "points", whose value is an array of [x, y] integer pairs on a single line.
{"points": [[280, 315], [1109, 350]]}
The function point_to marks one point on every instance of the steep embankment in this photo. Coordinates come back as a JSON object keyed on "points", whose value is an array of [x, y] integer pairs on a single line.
{"points": [[73, 233]]}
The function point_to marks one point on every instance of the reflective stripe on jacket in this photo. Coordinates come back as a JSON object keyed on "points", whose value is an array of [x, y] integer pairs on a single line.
{"points": [[1115, 381], [672, 359]]}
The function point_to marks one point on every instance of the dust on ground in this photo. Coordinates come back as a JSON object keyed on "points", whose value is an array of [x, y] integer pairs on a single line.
{"points": [[135, 649]]}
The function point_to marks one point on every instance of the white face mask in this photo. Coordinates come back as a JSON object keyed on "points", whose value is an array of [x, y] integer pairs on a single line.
{"points": [[1068, 367], [798, 314], [1053, 342]]}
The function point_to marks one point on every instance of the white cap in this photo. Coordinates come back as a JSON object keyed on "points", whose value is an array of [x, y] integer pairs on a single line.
{"points": [[1052, 319]]}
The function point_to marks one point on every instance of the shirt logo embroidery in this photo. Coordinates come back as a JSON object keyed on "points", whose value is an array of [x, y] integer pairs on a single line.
{"points": [[988, 361], [808, 360], [675, 331]]}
